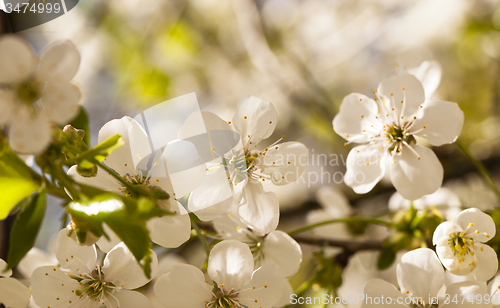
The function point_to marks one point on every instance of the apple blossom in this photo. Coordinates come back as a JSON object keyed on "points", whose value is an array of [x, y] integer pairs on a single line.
{"points": [[460, 247], [388, 126], [35, 92], [420, 277], [81, 281], [131, 162], [13, 294], [231, 267]]}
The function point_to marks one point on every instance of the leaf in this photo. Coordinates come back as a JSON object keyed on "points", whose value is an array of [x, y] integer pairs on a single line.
{"points": [[17, 182], [26, 227], [386, 258], [98, 153], [82, 122]]}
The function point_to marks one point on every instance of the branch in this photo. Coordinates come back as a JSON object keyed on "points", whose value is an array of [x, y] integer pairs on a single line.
{"points": [[349, 246]]}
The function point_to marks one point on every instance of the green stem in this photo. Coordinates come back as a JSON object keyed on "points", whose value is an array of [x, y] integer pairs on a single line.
{"points": [[349, 219], [125, 183], [200, 235], [65, 181], [480, 167]]}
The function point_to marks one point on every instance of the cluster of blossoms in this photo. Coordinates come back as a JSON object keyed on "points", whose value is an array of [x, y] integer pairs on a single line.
{"points": [[251, 262]]}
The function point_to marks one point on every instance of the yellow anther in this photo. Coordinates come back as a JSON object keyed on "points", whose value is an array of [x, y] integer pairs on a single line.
{"points": [[471, 242], [487, 236], [472, 253], [461, 234], [477, 231], [471, 225], [367, 164]]}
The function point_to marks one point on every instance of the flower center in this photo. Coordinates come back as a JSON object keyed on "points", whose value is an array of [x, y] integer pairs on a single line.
{"points": [[398, 135], [222, 299], [94, 285], [241, 165], [29, 91], [460, 244]]}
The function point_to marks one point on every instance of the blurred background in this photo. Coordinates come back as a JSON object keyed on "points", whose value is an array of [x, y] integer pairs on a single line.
{"points": [[302, 55]]}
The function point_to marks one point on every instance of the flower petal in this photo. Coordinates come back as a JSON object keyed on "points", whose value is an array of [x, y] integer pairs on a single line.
{"points": [[429, 74], [444, 230], [417, 266], [52, 287], [264, 289], [13, 293], [106, 245], [73, 256], [287, 292], [16, 59], [413, 95], [59, 63], [482, 224], [214, 196], [29, 134], [375, 288], [281, 249], [450, 260], [125, 159], [33, 259], [365, 167], [171, 231], [439, 121], [487, 262], [284, 162], [333, 201], [415, 176], [102, 180], [357, 118], [122, 269], [256, 118], [229, 227], [60, 102], [259, 209], [7, 101], [128, 299], [230, 264], [3, 265], [461, 294], [183, 286]]}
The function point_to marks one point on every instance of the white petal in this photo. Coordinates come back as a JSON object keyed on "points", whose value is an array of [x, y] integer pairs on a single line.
{"points": [[3, 265], [186, 169], [444, 230], [358, 112], [33, 259], [129, 299], [229, 227], [365, 167], [333, 201], [285, 162], [463, 292], [122, 269], [264, 289], [429, 74], [285, 297], [375, 288], [183, 286], [487, 262], [259, 209], [256, 118], [480, 221], [413, 177], [52, 287], [60, 102], [7, 101], [59, 63], [413, 94], [442, 120], [16, 59], [493, 285], [171, 231], [213, 198], [106, 245], [13, 293], [102, 180], [73, 256], [417, 266], [281, 249], [125, 159], [230, 263], [29, 134], [450, 260]]}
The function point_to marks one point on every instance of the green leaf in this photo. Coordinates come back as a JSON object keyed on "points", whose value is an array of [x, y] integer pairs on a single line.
{"points": [[82, 122], [386, 258], [17, 181], [26, 227], [99, 152]]}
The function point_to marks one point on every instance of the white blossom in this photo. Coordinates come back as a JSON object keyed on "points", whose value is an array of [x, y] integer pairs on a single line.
{"points": [[35, 92], [460, 247], [231, 267], [387, 126], [81, 281], [13, 294]]}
